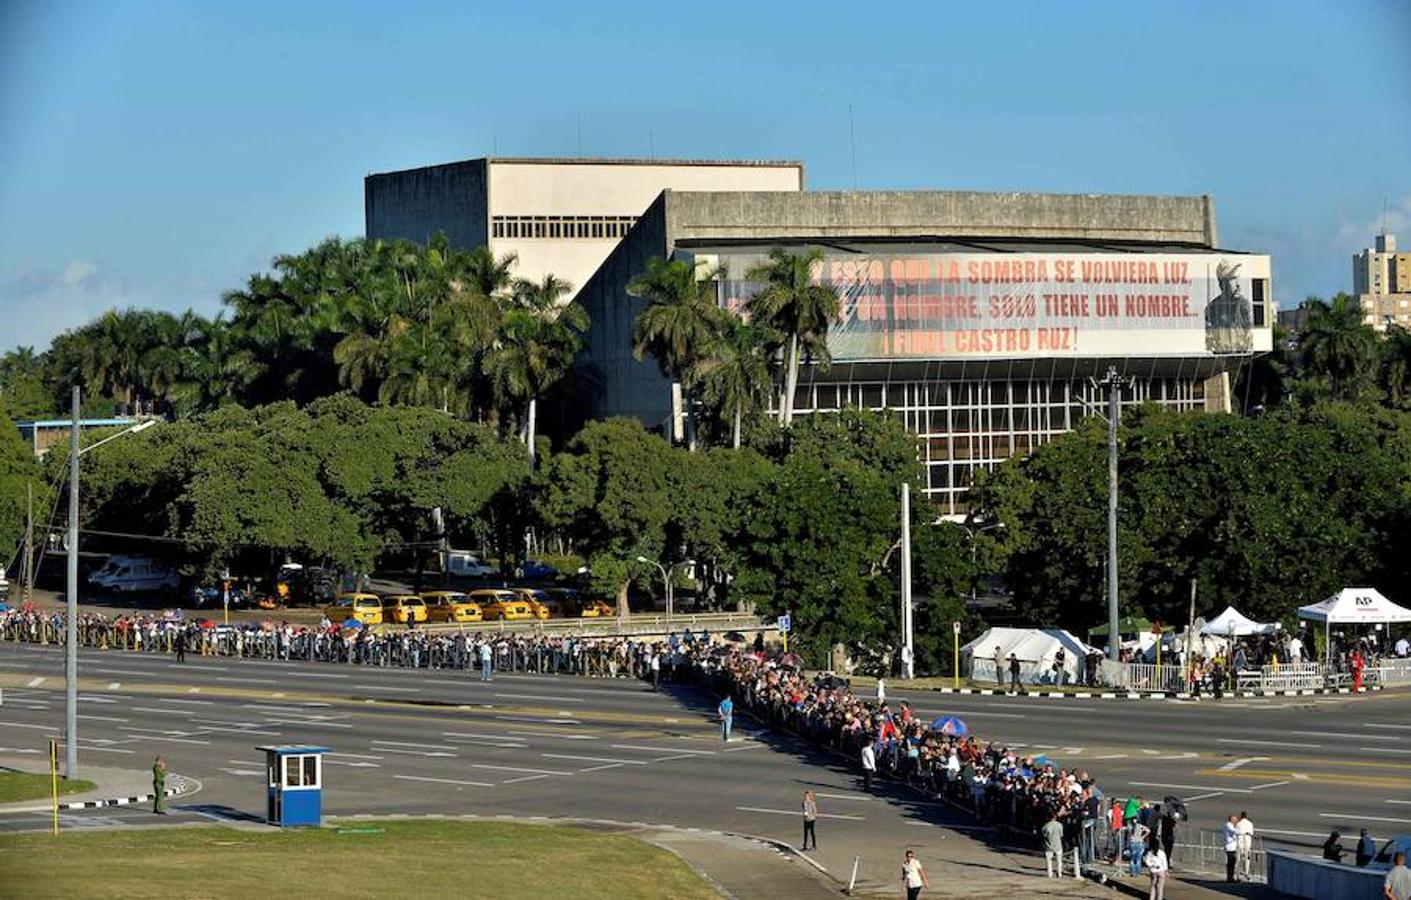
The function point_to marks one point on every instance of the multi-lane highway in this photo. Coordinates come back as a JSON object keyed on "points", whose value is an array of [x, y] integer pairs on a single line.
{"points": [[443, 742]]}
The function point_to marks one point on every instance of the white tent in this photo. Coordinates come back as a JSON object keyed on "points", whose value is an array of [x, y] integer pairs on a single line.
{"points": [[1354, 606], [1232, 621], [1036, 649]]}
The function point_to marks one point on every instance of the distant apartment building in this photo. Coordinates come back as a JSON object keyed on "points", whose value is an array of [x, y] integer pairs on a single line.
{"points": [[1381, 281], [559, 216]]}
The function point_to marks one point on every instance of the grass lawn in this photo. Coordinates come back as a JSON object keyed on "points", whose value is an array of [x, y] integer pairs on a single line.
{"points": [[404, 859], [32, 786]]}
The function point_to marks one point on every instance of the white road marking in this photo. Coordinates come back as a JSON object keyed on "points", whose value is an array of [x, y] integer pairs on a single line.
{"points": [[183, 700], [1382, 749], [1260, 787], [1348, 734], [483, 737], [673, 757], [1354, 817], [534, 719], [35, 681], [1243, 761], [353, 765], [1196, 797], [353, 755], [114, 685], [246, 680], [1188, 787], [414, 744], [524, 778], [616, 765], [204, 667], [23, 725], [1112, 756], [105, 749], [242, 771], [103, 718], [540, 697], [165, 712], [194, 690], [1402, 802], [518, 769], [1385, 725], [659, 749], [795, 812], [308, 723], [634, 762], [866, 798], [1312, 834], [380, 687], [559, 735], [752, 745], [1267, 743], [426, 753], [444, 780]]}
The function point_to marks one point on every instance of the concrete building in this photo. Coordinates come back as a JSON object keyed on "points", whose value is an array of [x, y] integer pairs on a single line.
{"points": [[560, 216], [1381, 281], [980, 318]]}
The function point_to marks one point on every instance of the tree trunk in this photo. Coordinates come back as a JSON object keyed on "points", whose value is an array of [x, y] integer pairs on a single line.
{"points": [[529, 430], [738, 414], [622, 611], [791, 381]]}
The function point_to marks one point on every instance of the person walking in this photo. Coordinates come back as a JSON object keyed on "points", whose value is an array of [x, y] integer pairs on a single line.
{"points": [[869, 766], [1245, 858], [999, 667], [1366, 848], [485, 655], [159, 787], [1157, 866], [913, 877], [1397, 885], [1014, 685], [1332, 847], [1231, 834], [810, 814], [726, 710], [1053, 846]]}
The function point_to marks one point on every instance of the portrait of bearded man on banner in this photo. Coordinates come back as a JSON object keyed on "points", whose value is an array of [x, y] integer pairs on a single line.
{"points": [[1229, 320]]}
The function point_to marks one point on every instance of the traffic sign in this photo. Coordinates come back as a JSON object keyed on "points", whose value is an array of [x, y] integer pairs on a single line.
{"points": [[784, 624]]}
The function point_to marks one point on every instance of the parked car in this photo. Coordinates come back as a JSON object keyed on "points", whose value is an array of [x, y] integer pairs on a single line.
{"points": [[537, 601], [533, 568], [451, 606], [467, 565], [211, 596], [572, 603], [111, 565], [364, 608], [138, 576], [403, 609], [1399, 844], [502, 605]]}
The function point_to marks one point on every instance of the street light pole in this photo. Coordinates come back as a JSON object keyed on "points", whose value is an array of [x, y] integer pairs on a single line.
{"points": [[1114, 383], [665, 578], [908, 652], [71, 609]]}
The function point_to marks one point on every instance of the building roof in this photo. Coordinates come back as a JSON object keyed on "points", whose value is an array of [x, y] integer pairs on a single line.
{"points": [[601, 161], [66, 423]]}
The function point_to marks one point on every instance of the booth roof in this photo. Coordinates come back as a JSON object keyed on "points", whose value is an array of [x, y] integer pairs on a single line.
{"points": [[1243, 625], [293, 749], [1352, 606]]}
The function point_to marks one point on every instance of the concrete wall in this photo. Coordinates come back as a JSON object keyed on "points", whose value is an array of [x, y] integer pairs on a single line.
{"points": [[892, 214], [1305, 876], [606, 188], [416, 204]]}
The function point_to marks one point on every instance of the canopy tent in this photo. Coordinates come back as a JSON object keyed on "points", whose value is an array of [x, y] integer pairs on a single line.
{"points": [[1353, 606], [1232, 621], [1036, 649]]}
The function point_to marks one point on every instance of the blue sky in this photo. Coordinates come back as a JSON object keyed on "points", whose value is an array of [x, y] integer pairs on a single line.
{"points": [[156, 153]]}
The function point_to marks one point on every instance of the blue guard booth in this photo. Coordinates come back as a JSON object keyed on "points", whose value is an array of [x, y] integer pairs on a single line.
{"points": [[295, 780]]}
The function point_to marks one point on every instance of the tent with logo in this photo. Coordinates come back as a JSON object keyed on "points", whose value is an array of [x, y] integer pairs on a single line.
{"points": [[1036, 649], [1354, 606]]}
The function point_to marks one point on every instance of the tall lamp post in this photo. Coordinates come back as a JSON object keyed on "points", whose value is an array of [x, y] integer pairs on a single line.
{"points": [[666, 579], [71, 605]]}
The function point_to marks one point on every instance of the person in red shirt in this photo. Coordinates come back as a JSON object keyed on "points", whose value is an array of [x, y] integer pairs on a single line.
{"points": [[1115, 821], [1357, 665]]}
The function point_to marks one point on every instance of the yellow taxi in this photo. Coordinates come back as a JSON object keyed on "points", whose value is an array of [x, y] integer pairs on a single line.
{"points": [[498, 604], [403, 609], [364, 608], [537, 600], [575, 604], [596, 608], [451, 606]]}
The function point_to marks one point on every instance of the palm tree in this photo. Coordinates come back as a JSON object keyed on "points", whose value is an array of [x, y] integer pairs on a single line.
{"points": [[1395, 370], [798, 309], [537, 345], [218, 366], [1337, 344], [492, 277], [680, 321], [734, 374], [540, 297]]}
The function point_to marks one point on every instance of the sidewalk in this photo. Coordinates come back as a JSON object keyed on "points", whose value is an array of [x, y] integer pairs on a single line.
{"points": [[111, 787]]}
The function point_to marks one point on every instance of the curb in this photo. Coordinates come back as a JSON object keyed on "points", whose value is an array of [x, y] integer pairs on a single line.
{"points": [[1138, 695], [182, 791]]}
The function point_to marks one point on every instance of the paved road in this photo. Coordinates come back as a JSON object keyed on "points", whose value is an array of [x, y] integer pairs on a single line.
{"points": [[544, 745]]}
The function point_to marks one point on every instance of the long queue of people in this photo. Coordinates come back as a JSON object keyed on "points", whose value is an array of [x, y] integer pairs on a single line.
{"points": [[1062, 809], [329, 642]]}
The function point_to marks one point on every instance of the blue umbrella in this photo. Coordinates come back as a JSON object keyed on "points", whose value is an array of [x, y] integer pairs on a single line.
{"points": [[352, 623], [949, 725], [1042, 760]]}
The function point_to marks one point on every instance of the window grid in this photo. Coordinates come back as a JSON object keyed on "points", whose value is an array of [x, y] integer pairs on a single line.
{"points": [[594, 228], [968, 425]]}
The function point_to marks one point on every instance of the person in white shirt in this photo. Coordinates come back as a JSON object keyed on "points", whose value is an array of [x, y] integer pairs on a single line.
{"points": [[1231, 833], [1245, 858], [881, 692], [1295, 650], [869, 765], [1157, 866], [1403, 648], [913, 877]]}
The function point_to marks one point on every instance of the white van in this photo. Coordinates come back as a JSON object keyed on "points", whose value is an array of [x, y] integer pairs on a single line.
{"points": [[110, 567], [140, 575], [465, 564]]}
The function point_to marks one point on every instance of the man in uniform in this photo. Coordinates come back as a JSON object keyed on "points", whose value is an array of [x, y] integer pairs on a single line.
{"points": [[159, 787]]}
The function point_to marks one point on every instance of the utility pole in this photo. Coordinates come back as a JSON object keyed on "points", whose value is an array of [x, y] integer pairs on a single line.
{"points": [[71, 609], [908, 652], [28, 573], [1114, 384]]}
